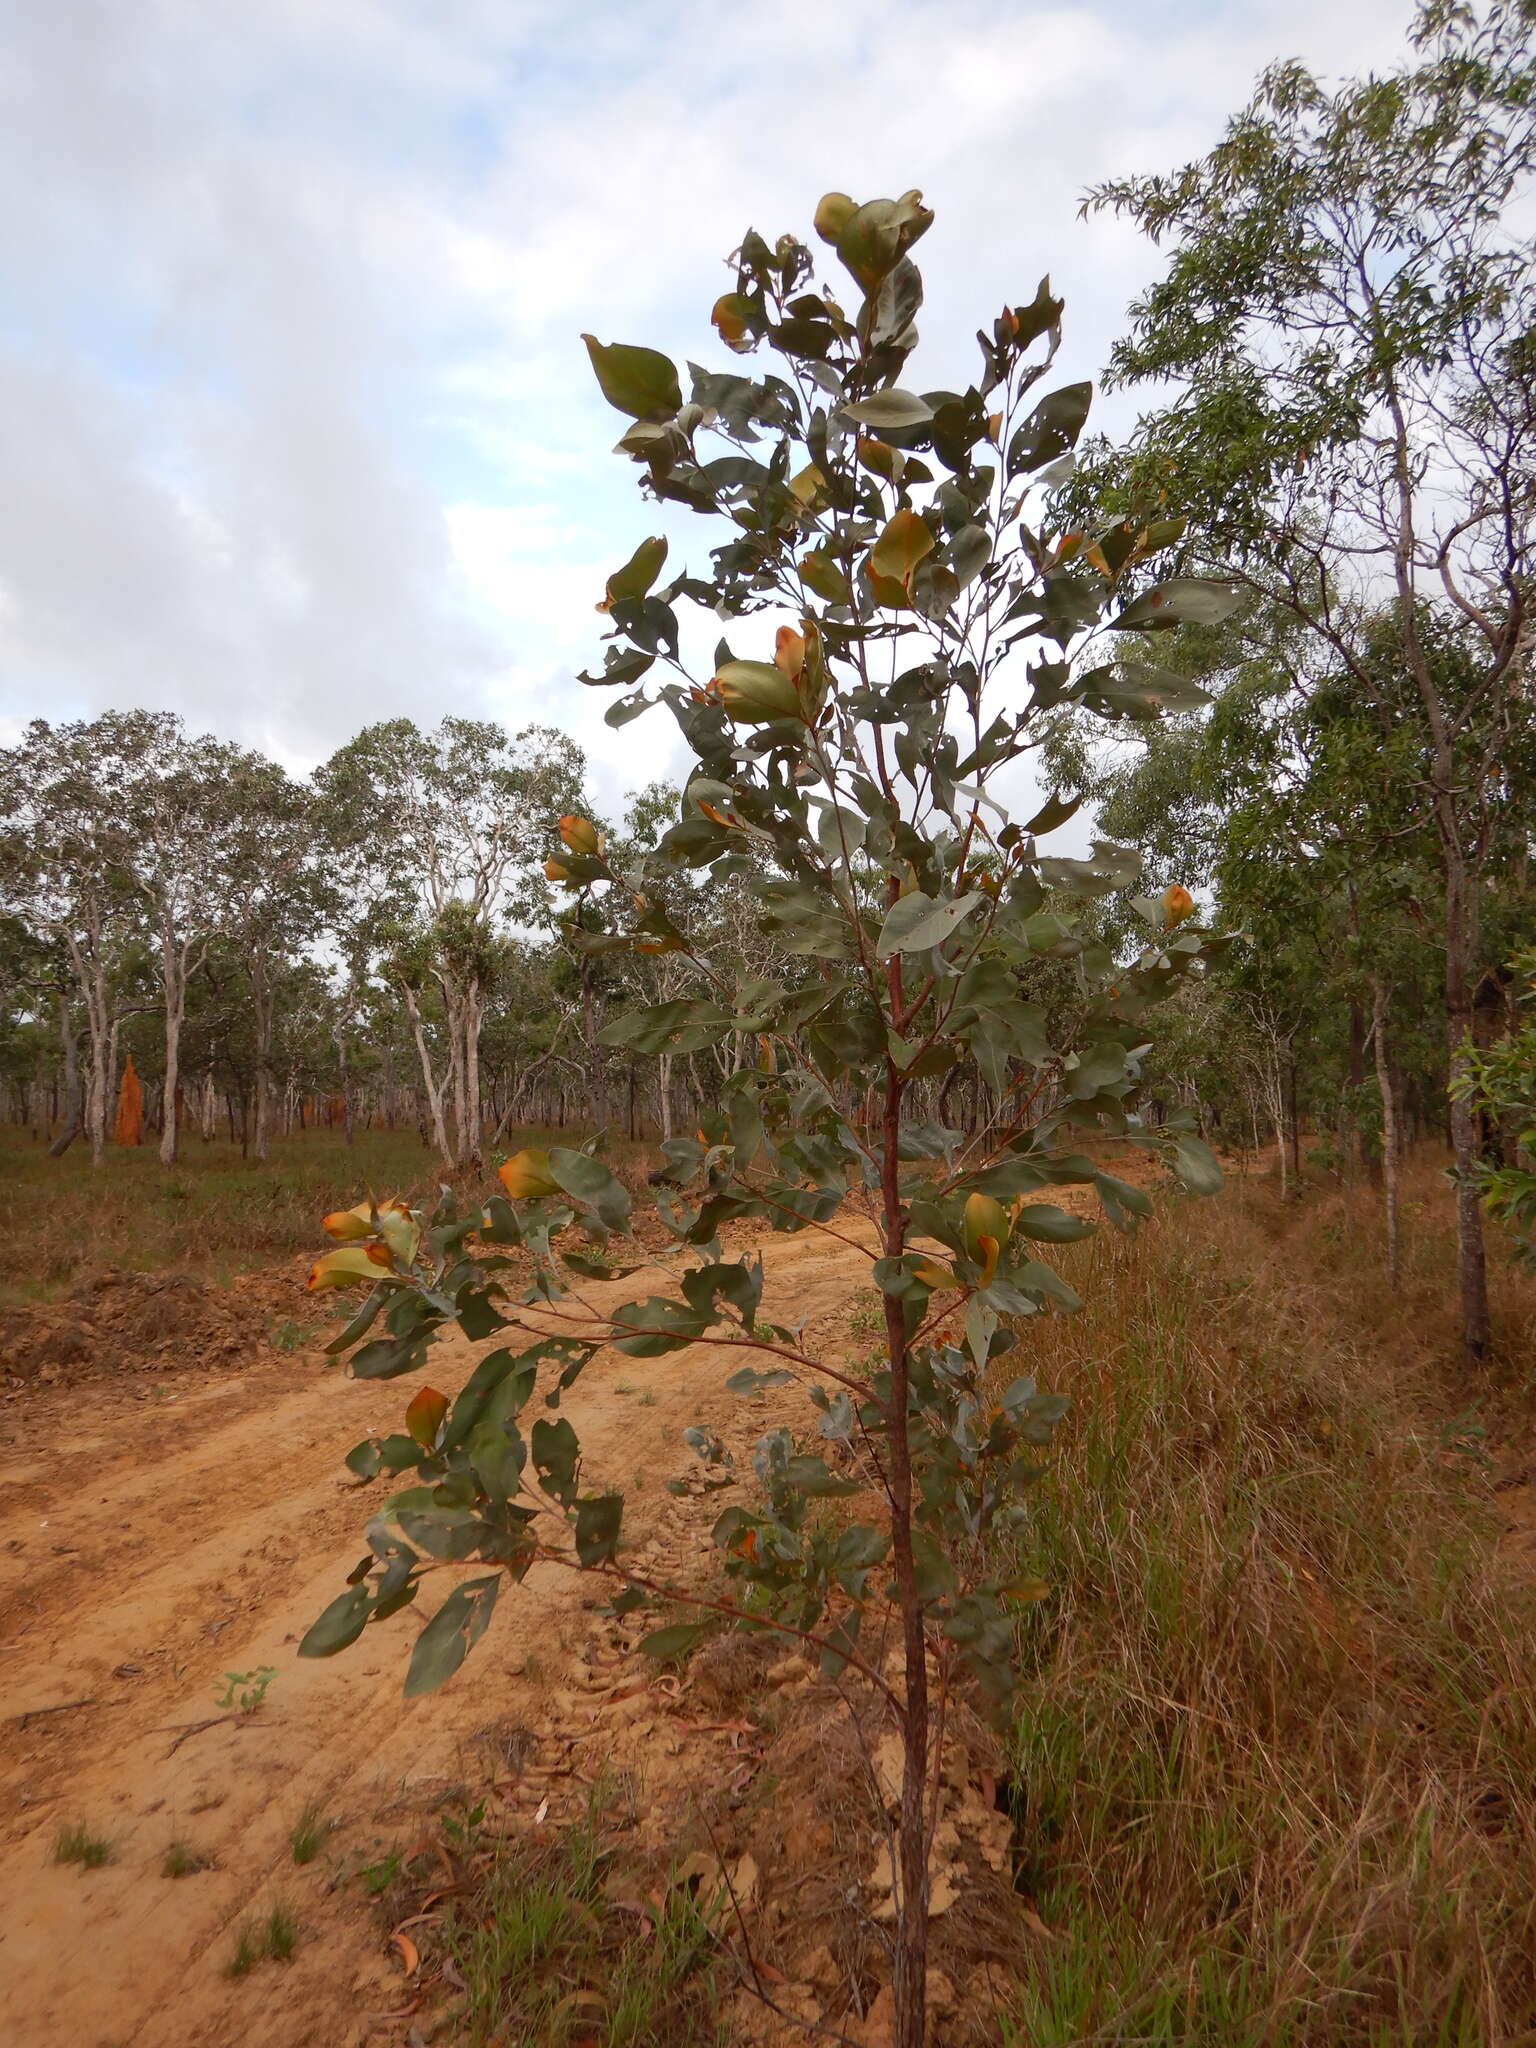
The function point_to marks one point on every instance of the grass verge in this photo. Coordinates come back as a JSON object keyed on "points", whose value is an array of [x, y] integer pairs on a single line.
{"points": [[213, 1214], [1275, 1771]]}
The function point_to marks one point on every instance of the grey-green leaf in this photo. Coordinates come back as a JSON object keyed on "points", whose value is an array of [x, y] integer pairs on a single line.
{"points": [[893, 408], [1181, 601], [915, 922], [341, 1623], [1197, 1166], [451, 1634], [675, 1641]]}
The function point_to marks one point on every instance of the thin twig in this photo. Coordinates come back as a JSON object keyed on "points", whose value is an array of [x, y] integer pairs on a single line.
{"points": [[63, 1707]]}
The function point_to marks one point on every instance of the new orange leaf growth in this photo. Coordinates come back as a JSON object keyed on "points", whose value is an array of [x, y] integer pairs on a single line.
{"points": [[424, 1416], [833, 213], [933, 1274], [985, 1218], [348, 1226], [579, 834], [729, 318], [527, 1178], [1177, 905], [789, 652], [349, 1266]]}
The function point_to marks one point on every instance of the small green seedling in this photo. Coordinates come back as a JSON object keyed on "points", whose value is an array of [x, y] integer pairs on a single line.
{"points": [[378, 1877], [245, 1689]]}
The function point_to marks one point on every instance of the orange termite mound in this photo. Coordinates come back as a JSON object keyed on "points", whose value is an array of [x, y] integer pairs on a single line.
{"points": [[129, 1128]]}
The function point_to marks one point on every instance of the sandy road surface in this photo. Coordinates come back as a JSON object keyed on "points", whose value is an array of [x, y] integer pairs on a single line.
{"points": [[149, 1545]]}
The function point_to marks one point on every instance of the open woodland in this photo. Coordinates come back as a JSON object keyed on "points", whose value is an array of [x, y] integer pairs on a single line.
{"points": [[963, 1275]]}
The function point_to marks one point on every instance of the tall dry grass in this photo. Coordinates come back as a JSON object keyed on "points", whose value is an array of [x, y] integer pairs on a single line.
{"points": [[1276, 1763]]}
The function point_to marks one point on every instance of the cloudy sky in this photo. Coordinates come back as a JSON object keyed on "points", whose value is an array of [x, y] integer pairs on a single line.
{"points": [[298, 430]]}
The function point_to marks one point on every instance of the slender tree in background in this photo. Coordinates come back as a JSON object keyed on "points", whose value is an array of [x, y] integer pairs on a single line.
{"points": [[65, 849], [1297, 800], [1347, 316], [280, 897], [903, 611], [182, 830], [468, 805]]}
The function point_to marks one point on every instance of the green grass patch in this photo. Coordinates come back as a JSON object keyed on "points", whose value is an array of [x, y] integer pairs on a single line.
{"points": [[181, 1861], [308, 1833], [77, 1843], [271, 1938], [541, 1926]]}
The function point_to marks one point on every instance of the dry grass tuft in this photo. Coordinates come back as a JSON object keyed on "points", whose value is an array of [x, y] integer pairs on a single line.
{"points": [[1276, 1769]]}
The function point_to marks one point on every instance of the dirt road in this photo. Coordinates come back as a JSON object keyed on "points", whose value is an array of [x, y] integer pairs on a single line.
{"points": [[152, 1540]]}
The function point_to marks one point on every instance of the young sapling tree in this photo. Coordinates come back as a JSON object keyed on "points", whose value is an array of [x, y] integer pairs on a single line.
{"points": [[904, 624]]}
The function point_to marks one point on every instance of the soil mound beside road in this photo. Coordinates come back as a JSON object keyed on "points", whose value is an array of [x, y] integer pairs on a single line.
{"points": [[123, 1322]]}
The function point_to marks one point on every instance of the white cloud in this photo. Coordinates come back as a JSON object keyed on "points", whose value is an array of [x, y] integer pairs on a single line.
{"points": [[299, 430]]}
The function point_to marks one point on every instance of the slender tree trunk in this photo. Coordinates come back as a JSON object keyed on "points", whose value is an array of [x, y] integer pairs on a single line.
{"points": [[429, 1079], [1293, 1117], [1471, 1256], [453, 1005], [664, 1076], [1275, 1088], [594, 1050], [73, 1094], [909, 1978], [263, 1005], [1461, 908], [474, 1014], [92, 979], [170, 1129], [348, 1120], [1391, 1142]]}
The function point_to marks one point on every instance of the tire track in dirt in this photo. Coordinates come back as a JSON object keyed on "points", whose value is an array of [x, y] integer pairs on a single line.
{"points": [[236, 1515]]}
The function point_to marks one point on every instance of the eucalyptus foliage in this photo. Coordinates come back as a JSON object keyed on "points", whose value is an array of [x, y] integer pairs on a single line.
{"points": [[1340, 347], [1500, 1081], [906, 623]]}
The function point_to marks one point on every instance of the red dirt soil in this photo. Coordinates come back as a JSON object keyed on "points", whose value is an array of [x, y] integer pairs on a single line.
{"points": [[155, 1536]]}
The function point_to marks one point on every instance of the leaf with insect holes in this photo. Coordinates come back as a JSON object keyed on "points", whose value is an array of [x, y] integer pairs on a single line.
{"points": [[597, 1528], [587, 1180], [556, 1454]]}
